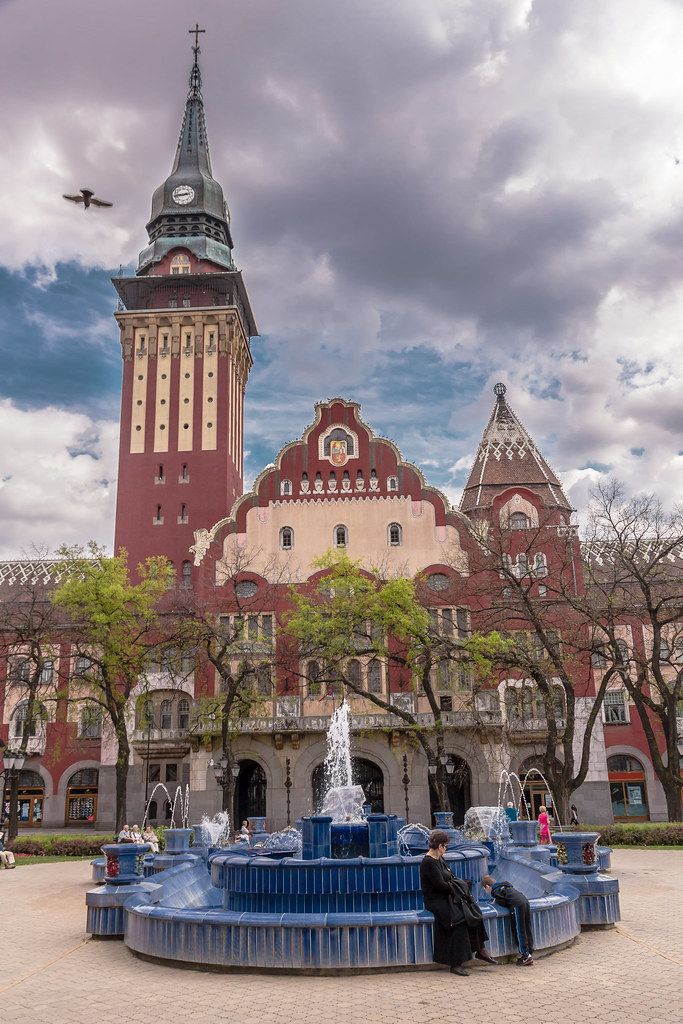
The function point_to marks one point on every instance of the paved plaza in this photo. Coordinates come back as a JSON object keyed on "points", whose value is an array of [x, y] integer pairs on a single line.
{"points": [[51, 973]]}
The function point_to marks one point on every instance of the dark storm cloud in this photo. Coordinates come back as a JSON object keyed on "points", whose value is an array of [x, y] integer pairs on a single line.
{"points": [[426, 198]]}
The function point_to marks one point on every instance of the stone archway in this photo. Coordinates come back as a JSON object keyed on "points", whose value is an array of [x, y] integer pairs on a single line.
{"points": [[365, 773]]}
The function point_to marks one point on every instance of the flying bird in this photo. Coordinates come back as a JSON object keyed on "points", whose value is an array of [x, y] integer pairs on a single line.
{"points": [[88, 198]]}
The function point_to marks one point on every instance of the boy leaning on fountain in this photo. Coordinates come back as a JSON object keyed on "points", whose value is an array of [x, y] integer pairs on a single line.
{"points": [[516, 902]]}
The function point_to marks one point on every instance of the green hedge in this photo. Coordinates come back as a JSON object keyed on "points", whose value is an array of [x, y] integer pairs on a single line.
{"points": [[65, 844], [647, 833]]}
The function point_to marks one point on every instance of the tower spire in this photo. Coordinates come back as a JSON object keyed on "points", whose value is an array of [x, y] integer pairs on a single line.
{"points": [[189, 208], [507, 456]]}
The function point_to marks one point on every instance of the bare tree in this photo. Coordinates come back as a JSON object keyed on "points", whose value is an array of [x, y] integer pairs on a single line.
{"points": [[634, 555], [526, 584], [30, 629]]}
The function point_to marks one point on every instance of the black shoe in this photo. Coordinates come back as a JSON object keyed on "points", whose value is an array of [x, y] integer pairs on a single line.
{"points": [[483, 955], [461, 971], [527, 960]]}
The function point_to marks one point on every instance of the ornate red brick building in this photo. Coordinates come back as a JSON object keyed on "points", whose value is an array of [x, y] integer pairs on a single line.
{"points": [[186, 324]]}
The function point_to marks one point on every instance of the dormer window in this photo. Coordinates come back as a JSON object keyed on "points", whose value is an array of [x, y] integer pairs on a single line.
{"points": [[180, 264]]}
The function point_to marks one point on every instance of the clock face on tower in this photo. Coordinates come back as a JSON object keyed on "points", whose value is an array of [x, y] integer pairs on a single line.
{"points": [[183, 194]]}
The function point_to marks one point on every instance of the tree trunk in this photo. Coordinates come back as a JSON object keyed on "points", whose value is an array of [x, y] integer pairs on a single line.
{"points": [[228, 796], [13, 827], [122, 761], [672, 792]]}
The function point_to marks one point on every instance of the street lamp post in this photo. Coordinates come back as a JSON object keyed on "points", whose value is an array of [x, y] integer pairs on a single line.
{"points": [[226, 773], [14, 762], [288, 788], [406, 782]]}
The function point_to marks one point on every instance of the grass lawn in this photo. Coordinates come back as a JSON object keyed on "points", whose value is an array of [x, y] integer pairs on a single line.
{"points": [[23, 858]]}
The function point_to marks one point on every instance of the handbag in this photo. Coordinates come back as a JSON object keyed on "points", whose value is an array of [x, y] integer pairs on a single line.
{"points": [[470, 908]]}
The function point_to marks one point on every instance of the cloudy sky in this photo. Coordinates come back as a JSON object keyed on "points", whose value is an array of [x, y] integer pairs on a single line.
{"points": [[426, 197]]}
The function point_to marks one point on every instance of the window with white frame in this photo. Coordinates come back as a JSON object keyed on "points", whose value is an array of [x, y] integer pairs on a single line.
{"points": [[248, 630], [392, 483], [90, 722], [540, 565], [615, 708], [183, 713], [285, 487], [22, 720]]}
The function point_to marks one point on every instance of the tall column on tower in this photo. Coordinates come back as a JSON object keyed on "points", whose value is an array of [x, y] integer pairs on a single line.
{"points": [[185, 323]]}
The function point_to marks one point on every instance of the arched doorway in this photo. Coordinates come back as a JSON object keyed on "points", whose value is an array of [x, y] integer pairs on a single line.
{"points": [[458, 789], [364, 773], [81, 797], [250, 793], [627, 788], [31, 799]]}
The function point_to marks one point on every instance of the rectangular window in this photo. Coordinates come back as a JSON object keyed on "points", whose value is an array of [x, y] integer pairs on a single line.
{"points": [[463, 622], [154, 772], [267, 626], [252, 627], [171, 773], [615, 708], [447, 619], [446, 703]]}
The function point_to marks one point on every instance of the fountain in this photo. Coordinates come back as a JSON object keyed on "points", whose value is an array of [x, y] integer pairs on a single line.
{"points": [[343, 893]]}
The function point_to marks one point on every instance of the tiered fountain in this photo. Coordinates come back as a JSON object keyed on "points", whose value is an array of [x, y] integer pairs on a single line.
{"points": [[347, 896]]}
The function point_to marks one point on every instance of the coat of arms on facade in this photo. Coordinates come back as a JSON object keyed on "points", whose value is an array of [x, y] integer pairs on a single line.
{"points": [[339, 455]]}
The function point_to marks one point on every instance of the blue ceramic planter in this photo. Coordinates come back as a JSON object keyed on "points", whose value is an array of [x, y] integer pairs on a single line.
{"points": [[577, 852], [124, 862]]}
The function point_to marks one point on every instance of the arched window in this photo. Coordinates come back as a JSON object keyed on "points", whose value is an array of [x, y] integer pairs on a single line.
{"points": [[313, 678], [395, 535], [165, 715], [180, 264], [540, 565], [21, 716], [187, 575], [623, 653], [153, 812], [392, 483], [623, 763], [353, 672], [84, 777], [338, 435], [286, 538], [183, 713], [285, 487], [519, 521], [374, 677], [341, 537]]}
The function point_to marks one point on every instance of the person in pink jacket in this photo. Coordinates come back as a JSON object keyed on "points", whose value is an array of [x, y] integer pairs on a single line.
{"points": [[544, 826]]}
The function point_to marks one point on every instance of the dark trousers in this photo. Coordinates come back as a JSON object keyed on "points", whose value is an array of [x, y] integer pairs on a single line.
{"points": [[522, 919]]}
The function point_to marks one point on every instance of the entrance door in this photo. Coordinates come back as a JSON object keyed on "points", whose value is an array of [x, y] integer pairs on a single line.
{"points": [[627, 787], [31, 796], [250, 793], [81, 797]]}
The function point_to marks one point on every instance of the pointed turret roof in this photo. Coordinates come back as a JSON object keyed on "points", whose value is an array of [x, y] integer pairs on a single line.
{"points": [[507, 456], [189, 209]]}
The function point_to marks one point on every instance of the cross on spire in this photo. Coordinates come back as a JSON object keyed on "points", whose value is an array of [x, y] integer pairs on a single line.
{"points": [[196, 32], [195, 74]]}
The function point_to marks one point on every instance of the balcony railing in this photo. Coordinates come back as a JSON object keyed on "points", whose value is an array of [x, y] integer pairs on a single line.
{"points": [[381, 720], [159, 735], [525, 728]]}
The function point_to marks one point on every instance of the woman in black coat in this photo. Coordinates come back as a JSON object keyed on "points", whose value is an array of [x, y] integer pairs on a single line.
{"points": [[444, 896]]}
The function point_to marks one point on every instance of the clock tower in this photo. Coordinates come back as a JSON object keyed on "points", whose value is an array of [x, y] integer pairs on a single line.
{"points": [[185, 323]]}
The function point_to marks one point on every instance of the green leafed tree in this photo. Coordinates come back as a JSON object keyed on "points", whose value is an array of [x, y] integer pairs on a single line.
{"points": [[120, 637], [352, 616]]}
